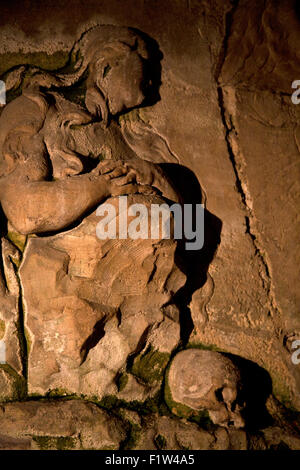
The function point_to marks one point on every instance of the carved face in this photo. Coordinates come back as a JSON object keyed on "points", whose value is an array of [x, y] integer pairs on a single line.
{"points": [[123, 81]]}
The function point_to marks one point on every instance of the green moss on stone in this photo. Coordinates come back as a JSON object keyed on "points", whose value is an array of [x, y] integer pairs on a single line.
{"points": [[178, 409], [27, 339], [112, 403], [281, 391], [149, 406], [17, 239], [55, 61], [19, 383], [203, 420], [207, 347], [131, 116], [133, 437], [57, 443], [2, 329], [150, 365], [109, 402], [160, 442], [122, 381], [58, 61]]}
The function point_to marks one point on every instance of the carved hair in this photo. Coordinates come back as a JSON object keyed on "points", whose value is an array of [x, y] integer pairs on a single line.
{"points": [[96, 46], [97, 41]]}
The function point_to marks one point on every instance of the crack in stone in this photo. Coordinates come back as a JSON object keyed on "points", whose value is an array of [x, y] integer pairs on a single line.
{"points": [[225, 117], [223, 52], [249, 216], [21, 328]]}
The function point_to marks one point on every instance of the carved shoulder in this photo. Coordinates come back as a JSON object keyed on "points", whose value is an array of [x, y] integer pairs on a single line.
{"points": [[22, 150], [28, 111]]}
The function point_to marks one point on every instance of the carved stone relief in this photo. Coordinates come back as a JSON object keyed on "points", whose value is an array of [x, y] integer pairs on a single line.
{"points": [[121, 321]]}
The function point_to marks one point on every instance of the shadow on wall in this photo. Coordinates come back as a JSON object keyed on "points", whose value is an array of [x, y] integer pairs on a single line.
{"points": [[194, 263], [3, 230], [257, 387]]}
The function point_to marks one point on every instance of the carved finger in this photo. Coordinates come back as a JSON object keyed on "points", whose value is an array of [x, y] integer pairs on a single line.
{"points": [[119, 171], [129, 178], [106, 166]]}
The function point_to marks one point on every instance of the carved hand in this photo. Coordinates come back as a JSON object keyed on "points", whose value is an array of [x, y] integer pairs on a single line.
{"points": [[122, 178], [140, 171]]}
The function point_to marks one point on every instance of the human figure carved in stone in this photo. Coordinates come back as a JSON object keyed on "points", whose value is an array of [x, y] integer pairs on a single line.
{"points": [[40, 146], [59, 159]]}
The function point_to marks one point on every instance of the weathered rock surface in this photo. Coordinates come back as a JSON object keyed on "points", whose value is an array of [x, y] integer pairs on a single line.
{"points": [[58, 425], [167, 433], [158, 433], [12, 383], [103, 301]]}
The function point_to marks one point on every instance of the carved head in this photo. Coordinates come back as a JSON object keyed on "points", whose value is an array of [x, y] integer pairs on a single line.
{"points": [[207, 380], [121, 65]]}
